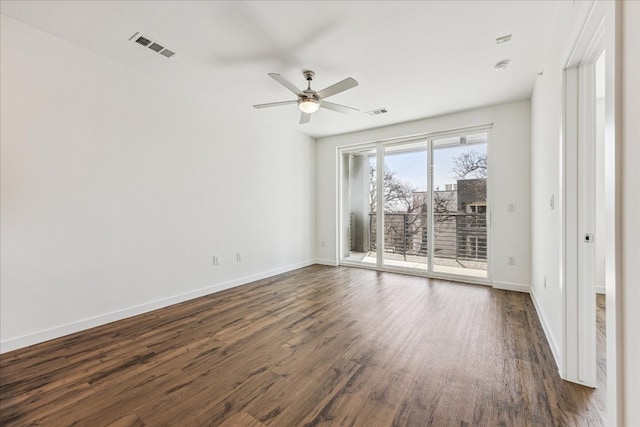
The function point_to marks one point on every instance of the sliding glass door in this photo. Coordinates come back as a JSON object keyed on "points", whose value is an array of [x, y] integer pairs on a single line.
{"points": [[460, 205], [417, 206], [406, 205]]}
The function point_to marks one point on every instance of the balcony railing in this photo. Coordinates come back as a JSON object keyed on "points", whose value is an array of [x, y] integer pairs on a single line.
{"points": [[456, 236]]}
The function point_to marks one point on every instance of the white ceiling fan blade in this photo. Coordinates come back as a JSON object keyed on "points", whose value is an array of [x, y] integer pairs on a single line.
{"points": [[286, 83], [345, 84], [304, 118], [275, 104], [339, 108]]}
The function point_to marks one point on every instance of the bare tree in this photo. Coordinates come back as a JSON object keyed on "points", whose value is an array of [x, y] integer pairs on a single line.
{"points": [[405, 206], [442, 205], [470, 165], [399, 196]]}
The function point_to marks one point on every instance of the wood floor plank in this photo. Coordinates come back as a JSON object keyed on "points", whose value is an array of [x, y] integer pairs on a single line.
{"points": [[316, 346], [130, 420], [297, 399], [107, 406], [242, 419]]}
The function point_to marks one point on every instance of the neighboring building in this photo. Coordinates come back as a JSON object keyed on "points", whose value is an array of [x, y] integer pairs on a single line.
{"points": [[471, 221], [472, 196]]}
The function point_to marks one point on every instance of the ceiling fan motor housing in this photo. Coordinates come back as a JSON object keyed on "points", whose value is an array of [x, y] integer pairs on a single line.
{"points": [[308, 74]]}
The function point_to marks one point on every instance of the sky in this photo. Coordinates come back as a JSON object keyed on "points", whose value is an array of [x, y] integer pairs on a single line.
{"points": [[412, 166]]}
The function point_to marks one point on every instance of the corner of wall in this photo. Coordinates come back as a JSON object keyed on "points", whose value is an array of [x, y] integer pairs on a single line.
{"points": [[516, 287]]}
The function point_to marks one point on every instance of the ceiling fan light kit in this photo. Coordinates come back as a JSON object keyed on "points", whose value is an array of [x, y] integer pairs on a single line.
{"points": [[308, 105], [309, 101]]}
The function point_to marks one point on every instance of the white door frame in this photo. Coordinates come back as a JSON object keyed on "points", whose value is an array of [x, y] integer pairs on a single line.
{"points": [[578, 213], [577, 156]]}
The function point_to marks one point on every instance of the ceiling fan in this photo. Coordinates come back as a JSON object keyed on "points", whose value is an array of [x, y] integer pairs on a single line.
{"points": [[309, 101]]}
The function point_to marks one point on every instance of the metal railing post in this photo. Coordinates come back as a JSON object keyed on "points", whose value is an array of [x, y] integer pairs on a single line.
{"points": [[405, 226]]}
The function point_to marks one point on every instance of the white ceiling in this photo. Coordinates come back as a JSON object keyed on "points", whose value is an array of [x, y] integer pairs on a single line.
{"points": [[416, 58]]}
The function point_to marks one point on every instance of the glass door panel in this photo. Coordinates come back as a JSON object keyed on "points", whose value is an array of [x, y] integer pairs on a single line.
{"points": [[460, 205], [405, 198], [358, 206]]}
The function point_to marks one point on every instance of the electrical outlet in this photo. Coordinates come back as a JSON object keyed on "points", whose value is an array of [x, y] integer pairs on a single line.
{"points": [[511, 207], [322, 244], [238, 256], [511, 260], [216, 260]]}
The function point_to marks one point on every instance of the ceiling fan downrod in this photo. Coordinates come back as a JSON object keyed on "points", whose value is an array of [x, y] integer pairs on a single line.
{"points": [[309, 75]]}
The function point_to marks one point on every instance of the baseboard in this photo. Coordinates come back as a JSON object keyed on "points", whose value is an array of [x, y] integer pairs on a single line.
{"points": [[506, 286], [71, 328], [555, 350], [331, 262], [601, 289]]}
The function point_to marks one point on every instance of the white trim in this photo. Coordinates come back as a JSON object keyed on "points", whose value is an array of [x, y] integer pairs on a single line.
{"points": [[103, 319], [587, 221], [568, 208], [555, 350], [576, 204], [601, 289], [422, 136], [490, 182], [380, 215], [329, 262], [339, 205], [507, 286]]}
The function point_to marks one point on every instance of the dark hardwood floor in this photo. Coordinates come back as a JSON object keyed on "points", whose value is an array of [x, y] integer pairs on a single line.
{"points": [[316, 346]]}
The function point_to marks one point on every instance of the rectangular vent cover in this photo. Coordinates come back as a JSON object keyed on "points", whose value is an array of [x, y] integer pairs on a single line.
{"points": [[154, 46], [143, 41], [377, 112]]}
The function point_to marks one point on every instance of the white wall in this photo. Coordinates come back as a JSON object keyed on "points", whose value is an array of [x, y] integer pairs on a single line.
{"points": [[508, 158], [118, 188]]}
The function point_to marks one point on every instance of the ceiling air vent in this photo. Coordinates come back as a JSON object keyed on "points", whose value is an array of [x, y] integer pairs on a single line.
{"points": [[154, 46], [377, 112], [167, 53], [144, 42]]}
